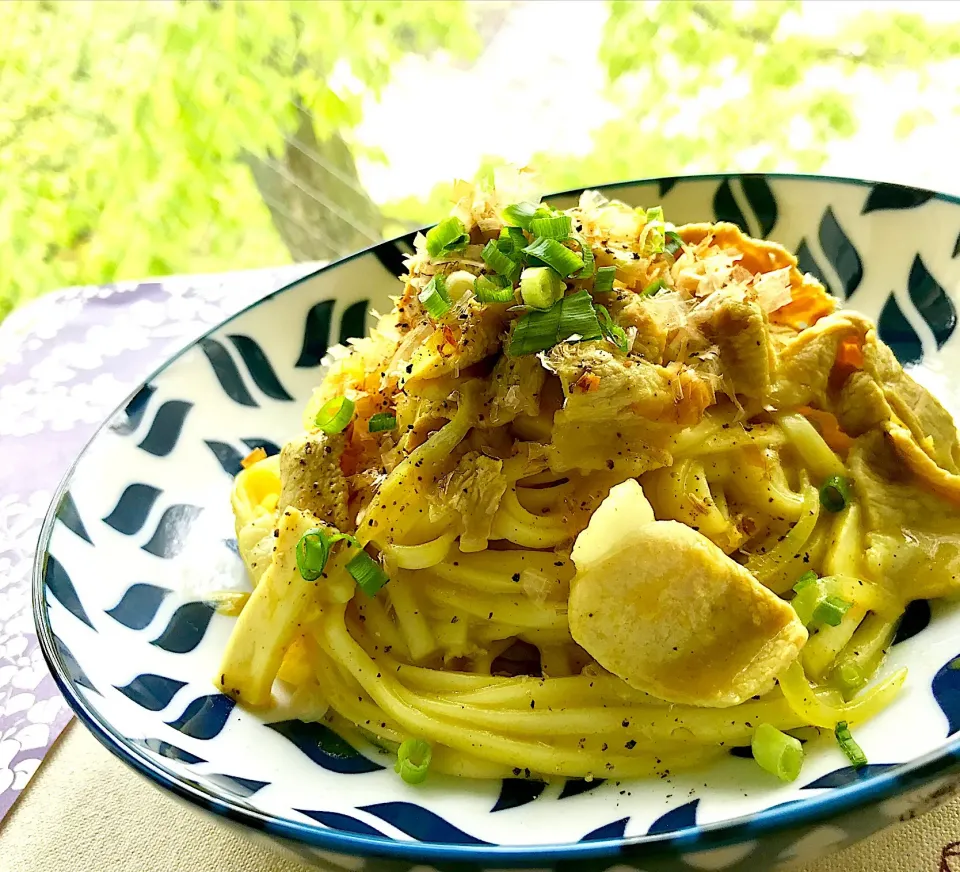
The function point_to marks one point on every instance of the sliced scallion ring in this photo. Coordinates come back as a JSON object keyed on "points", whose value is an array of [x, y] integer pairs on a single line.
{"points": [[776, 752], [603, 283], [448, 236], [835, 493], [435, 298], [413, 760], [382, 421], [335, 414], [849, 746], [556, 255]]}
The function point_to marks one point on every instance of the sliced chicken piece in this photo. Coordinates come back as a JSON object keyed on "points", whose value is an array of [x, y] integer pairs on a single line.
{"points": [[807, 361], [311, 478], [616, 411], [664, 608], [739, 329]]}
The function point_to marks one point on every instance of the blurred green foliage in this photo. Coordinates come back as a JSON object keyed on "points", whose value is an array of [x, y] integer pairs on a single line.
{"points": [[148, 138]]}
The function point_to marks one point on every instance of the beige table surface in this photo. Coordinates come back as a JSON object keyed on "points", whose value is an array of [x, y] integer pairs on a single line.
{"points": [[85, 811]]}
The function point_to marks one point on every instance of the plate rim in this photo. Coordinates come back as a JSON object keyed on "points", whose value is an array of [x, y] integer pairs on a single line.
{"points": [[896, 780]]}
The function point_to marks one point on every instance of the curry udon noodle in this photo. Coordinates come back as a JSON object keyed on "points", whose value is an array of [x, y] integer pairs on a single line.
{"points": [[599, 496]]}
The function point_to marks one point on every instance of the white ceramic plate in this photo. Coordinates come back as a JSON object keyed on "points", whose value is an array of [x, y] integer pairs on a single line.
{"points": [[141, 530]]}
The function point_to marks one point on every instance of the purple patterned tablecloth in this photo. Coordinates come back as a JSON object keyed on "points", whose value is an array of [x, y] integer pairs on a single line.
{"points": [[66, 361]]}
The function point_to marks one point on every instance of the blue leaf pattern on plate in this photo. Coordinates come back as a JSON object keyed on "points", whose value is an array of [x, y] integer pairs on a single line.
{"points": [[353, 322], [887, 196], [848, 775], [915, 619], [613, 830], [956, 246], [138, 606], [839, 250], [391, 255], [946, 691], [576, 786], [421, 824], [233, 545], [171, 533], [205, 717], [807, 264], [896, 331], [134, 411], [233, 784], [679, 818], [68, 515], [131, 510], [316, 335], [186, 628], [152, 692], [165, 430], [342, 822], [259, 367], [932, 302], [761, 200], [515, 792], [226, 372], [72, 668], [666, 186], [227, 456], [60, 585], [325, 748], [269, 447], [725, 207], [165, 749]]}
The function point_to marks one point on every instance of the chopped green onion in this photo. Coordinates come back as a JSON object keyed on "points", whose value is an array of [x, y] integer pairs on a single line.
{"points": [[954, 664], [312, 553], [448, 236], [413, 760], [511, 241], [334, 415], [653, 288], [500, 263], [539, 330], [603, 283], [554, 254], [536, 331], [521, 214], [382, 421], [652, 235], [776, 752], [673, 243], [586, 252], [558, 227], [578, 318], [830, 610], [434, 297], [835, 493], [366, 572], [816, 604], [493, 289], [613, 331], [540, 287], [849, 746]]}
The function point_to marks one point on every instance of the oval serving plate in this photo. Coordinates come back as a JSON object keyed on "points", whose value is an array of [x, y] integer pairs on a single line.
{"points": [[141, 531]]}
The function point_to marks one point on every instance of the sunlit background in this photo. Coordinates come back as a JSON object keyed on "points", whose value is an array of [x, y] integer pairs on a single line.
{"points": [[144, 138]]}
